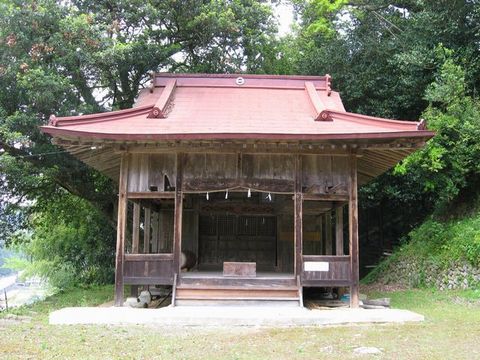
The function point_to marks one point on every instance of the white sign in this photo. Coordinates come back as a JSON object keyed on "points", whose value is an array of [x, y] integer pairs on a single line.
{"points": [[315, 266]]}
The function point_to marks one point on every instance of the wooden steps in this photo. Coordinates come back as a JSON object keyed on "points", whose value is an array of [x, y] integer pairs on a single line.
{"points": [[236, 295]]}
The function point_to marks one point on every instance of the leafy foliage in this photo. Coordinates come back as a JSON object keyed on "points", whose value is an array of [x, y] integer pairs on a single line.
{"points": [[407, 59], [70, 244], [85, 56], [450, 161]]}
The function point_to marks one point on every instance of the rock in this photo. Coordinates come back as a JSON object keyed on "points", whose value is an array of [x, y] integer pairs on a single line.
{"points": [[327, 349], [145, 297], [133, 302], [367, 350]]}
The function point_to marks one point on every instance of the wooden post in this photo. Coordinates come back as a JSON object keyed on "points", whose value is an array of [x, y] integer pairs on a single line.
{"points": [[177, 227], [328, 234], [155, 232], [353, 233], [136, 229], [135, 241], [146, 230], [319, 247], [339, 230], [121, 229], [298, 216]]}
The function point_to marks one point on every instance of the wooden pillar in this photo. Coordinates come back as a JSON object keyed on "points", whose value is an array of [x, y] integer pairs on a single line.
{"points": [[121, 229], [136, 229], [298, 216], [146, 230], [319, 247], [135, 240], [177, 225], [328, 234], [353, 233], [155, 234], [339, 231]]}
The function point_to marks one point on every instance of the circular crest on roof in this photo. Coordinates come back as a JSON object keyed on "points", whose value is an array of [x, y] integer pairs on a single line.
{"points": [[239, 81]]}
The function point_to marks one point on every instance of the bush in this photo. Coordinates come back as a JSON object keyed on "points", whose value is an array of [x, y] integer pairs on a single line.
{"points": [[70, 243]]}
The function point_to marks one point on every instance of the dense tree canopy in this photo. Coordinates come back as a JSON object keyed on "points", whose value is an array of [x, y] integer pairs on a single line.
{"points": [[403, 59], [88, 56]]}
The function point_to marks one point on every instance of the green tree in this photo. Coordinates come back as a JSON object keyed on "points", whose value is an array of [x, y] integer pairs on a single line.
{"points": [[450, 163], [383, 56], [88, 56]]}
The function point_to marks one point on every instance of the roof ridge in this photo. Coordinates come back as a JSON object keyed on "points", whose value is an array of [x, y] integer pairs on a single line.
{"points": [[355, 116], [98, 117], [244, 75]]}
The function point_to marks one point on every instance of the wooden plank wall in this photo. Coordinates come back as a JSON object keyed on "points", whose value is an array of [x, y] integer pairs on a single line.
{"points": [[321, 174], [324, 174], [338, 271]]}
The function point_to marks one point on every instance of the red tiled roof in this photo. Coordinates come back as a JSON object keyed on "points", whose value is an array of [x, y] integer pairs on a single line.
{"points": [[193, 106]]}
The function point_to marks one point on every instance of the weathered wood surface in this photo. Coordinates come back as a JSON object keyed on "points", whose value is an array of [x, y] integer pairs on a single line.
{"points": [[245, 269], [325, 174], [149, 257], [298, 216], [148, 269], [321, 174], [338, 270], [207, 281], [178, 213], [256, 184], [162, 170], [138, 172], [121, 229], [147, 230], [328, 234], [237, 238], [136, 229], [339, 231], [235, 294], [151, 195], [353, 233]]}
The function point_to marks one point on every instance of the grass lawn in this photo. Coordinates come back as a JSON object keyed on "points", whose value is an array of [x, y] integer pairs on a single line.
{"points": [[451, 331]]}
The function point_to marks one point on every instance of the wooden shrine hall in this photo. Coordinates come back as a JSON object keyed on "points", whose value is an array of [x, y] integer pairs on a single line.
{"points": [[237, 188]]}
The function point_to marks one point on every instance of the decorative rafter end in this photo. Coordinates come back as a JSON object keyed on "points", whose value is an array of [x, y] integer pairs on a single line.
{"points": [[422, 125], [328, 80], [52, 121], [162, 105], [324, 116]]}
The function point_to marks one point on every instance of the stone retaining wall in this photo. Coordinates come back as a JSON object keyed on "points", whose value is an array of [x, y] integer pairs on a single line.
{"points": [[414, 273]]}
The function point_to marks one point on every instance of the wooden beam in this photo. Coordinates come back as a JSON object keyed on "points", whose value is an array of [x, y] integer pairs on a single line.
{"points": [[325, 197], [274, 185], [353, 233], [298, 216], [152, 195], [148, 257], [328, 234], [146, 230], [245, 148], [121, 229], [136, 229], [339, 231], [161, 105], [177, 227]]}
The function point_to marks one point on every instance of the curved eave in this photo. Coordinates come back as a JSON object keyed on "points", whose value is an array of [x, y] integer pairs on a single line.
{"points": [[56, 131]]}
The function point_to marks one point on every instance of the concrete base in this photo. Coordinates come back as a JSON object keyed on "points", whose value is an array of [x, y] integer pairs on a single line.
{"points": [[229, 316]]}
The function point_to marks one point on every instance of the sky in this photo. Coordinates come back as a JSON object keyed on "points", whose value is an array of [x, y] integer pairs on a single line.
{"points": [[284, 14]]}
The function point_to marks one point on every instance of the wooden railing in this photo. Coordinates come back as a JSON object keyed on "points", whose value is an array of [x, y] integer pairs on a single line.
{"points": [[148, 269], [326, 270]]}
